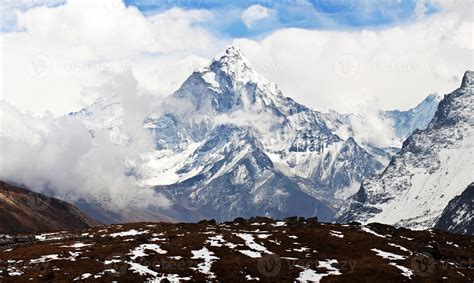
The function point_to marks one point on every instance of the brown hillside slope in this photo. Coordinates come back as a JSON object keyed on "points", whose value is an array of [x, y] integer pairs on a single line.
{"points": [[23, 211]]}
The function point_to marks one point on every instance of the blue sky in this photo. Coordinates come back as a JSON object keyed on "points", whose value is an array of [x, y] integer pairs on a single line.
{"points": [[423, 48], [310, 14]]}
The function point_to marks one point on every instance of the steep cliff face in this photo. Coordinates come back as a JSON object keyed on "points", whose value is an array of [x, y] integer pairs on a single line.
{"points": [[432, 168], [247, 150], [458, 216], [229, 144]]}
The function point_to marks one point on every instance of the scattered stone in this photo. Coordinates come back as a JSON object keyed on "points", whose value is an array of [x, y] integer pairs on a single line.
{"points": [[272, 251], [291, 220], [239, 220]]}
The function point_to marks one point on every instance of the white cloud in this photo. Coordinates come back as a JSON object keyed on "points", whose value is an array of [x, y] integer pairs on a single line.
{"points": [[364, 127], [392, 67], [57, 155], [262, 122], [63, 51], [255, 13], [10, 10], [61, 59], [56, 53]]}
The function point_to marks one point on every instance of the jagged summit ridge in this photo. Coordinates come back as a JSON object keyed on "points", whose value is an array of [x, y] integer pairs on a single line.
{"points": [[233, 60], [306, 159], [228, 83], [399, 126], [468, 79], [233, 57], [434, 166], [232, 65], [229, 144], [457, 106]]}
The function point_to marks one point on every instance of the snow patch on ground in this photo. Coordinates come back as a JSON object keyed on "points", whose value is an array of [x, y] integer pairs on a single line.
{"points": [[368, 230], [310, 275], [279, 224], [45, 258], [256, 249], [250, 278], [77, 245], [401, 248], [336, 234], [388, 255], [49, 236], [405, 271], [131, 232], [142, 270], [83, 276], [140, 250], [208, 257], [218, 241], [302, 249]]}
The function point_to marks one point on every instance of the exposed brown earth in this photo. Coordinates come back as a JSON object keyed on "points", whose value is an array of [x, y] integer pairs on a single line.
{"points": [[23, 211], [242, 250]]}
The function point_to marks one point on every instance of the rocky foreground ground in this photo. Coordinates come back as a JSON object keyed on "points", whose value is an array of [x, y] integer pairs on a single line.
{"points": [[258, 249]]}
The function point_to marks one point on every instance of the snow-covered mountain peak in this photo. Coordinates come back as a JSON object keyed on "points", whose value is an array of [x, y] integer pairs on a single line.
{"points": [[432, 168], [230, 142], [458, 106], [232, 69], [101, 103], [232, 54], [233, 57], [468, 79], [434, 97], [393, 126], [233, 50], [229, 83]]}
